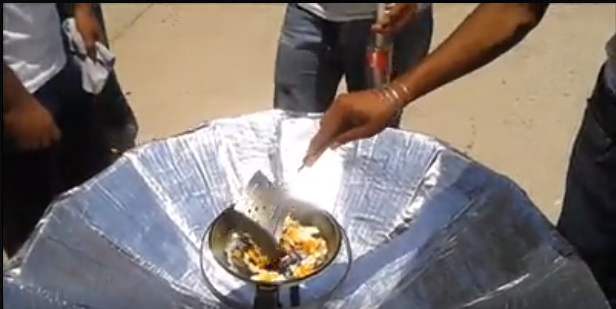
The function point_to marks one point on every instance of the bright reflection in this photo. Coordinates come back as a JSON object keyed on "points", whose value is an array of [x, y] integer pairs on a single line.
{"points": [[318, 185]]}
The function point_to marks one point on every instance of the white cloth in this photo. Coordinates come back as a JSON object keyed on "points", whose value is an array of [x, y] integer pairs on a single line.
{"points": [[32, 42], [342, 12], [94, 72]]}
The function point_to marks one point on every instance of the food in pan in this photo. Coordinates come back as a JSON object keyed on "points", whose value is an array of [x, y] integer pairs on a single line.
{"points": [[303, 248]]}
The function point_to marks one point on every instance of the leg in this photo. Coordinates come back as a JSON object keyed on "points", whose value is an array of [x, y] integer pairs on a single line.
{"points": [[355, 39], [30, 181], [84, 148], [412, 42], [306, 74], [589, 207], [116, 112], [411, 45], [117, 115], [353, 42]]}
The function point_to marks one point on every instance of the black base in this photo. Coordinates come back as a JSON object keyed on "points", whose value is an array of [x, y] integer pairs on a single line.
{"points": [[268, 297]]}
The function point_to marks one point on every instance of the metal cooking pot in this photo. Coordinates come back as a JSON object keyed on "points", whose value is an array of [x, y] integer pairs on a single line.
{"points": [[219, 235]]}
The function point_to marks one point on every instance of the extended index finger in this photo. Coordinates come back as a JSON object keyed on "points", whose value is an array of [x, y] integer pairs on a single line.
{"points": [[323, 139]]}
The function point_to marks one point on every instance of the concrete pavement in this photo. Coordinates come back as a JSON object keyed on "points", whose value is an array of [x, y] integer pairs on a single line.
{"points": [[186, 63]]}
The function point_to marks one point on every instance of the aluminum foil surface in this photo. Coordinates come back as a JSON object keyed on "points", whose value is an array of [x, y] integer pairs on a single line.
{"points": [[429, 228]]}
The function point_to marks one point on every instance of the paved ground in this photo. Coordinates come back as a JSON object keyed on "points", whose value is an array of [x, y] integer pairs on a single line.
{"points": [[185, 63]]}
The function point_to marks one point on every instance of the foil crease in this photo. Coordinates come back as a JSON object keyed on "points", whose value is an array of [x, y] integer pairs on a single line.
{"points": [[429, 228]]}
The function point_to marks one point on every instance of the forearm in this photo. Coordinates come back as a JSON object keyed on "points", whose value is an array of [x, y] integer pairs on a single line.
{"points": [[13, 91], [489, 31], [83, 8]]}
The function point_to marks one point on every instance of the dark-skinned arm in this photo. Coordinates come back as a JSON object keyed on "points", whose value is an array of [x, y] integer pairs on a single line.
{"points": [[13, 91], [83, 8], [88, 26], [489, 31]]}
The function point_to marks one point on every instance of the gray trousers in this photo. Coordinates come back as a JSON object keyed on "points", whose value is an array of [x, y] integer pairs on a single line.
{"points": [[314, 55]]}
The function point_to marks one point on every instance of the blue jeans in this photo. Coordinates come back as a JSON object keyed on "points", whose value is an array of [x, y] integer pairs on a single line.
{"points": [[315, 54]]}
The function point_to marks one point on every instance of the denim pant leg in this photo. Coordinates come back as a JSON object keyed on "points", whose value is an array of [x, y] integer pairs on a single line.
{"points": [[307, 73], [588, 218], [352, 46], [412, 42], [410, 45]]}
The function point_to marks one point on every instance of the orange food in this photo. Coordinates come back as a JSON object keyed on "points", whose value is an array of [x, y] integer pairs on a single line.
{"points": [[304, 248]]}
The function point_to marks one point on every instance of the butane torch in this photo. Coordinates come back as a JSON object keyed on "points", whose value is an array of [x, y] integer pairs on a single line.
{"points": [[379, 54]]}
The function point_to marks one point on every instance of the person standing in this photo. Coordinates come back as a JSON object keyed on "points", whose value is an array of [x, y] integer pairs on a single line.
{"points": [[120, 120], [320, 43], [52, 136], [588, 213]]}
